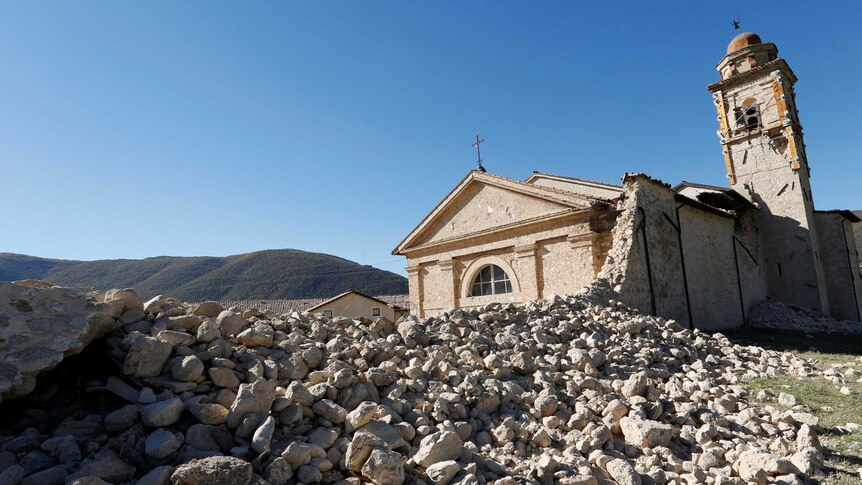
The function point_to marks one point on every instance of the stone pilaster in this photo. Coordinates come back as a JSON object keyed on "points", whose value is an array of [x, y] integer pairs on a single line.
{"points": [[529, 277], [414, 286], [585, 244], [577, 241], [447, 267]]}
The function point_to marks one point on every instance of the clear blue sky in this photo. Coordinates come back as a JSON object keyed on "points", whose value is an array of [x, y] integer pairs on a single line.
{"points": [[135, 129]]}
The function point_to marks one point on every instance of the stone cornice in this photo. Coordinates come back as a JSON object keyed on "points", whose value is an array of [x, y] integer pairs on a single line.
{"points": [[525, 250], [753, 74], [560, 197], [580, 240], [498, 229]]}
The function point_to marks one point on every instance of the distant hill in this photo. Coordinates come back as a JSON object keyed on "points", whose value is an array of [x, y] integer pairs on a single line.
{"points": [[270, 274]]}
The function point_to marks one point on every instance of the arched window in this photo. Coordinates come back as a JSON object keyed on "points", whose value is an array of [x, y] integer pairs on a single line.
{"points": [[750, 115], [491, 280]]}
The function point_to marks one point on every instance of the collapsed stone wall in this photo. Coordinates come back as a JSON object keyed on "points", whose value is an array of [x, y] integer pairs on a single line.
{"points": [[644, 265], [675, 257], [618, 279]]}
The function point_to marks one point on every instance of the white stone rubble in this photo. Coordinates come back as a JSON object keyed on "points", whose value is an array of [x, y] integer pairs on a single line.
{"points": [[556, 391], [774, 314]]}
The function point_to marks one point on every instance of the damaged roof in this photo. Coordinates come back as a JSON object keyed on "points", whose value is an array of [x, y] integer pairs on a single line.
{"points": [[719, 197]]}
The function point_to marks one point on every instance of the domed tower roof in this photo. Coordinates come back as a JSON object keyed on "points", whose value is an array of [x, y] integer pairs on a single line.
{"points": [[744, 39], [745, 52]]}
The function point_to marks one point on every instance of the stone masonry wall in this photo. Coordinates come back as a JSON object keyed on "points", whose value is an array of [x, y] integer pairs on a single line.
{"points": [[750, 259], [625, 268], [487, 207], [709, 259], [839, 259], [565, 265]]}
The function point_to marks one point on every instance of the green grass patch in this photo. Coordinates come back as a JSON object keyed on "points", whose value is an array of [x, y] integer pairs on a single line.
{"points": [[821, 396], [843, 453]]}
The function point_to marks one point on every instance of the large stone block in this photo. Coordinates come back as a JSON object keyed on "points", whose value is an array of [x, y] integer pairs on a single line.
{"points": [[41, 325]]}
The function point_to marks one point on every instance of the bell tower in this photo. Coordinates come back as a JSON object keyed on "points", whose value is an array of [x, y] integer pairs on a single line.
{"points": [[764, 154]]}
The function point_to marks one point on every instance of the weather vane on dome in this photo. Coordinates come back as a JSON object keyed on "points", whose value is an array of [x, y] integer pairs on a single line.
{"points": [[736, 24], [478, 153]]}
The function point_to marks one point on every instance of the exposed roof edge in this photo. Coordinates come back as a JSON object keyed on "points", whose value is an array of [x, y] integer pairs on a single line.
{"points": [[848, 214], [640, 175], [713, 194], [686, 183], [701, 206], [566, 193], [575, 179]]}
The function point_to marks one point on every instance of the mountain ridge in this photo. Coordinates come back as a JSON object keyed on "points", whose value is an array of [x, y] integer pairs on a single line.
{"points": [[270, 274]]}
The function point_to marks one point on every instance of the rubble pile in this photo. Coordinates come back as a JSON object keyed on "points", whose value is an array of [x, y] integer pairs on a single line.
{"points": [[774, 314], [556, 391]]}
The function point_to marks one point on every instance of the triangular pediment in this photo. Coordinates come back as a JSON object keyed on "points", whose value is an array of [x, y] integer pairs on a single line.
{"points": [[483, 202]]}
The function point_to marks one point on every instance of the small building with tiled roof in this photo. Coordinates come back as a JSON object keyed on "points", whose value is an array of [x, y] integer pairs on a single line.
{"points": [[353, 304], [299, 305]]}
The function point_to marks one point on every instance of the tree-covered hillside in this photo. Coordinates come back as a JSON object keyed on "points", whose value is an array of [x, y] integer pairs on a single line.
{"points": [[270, 274]]}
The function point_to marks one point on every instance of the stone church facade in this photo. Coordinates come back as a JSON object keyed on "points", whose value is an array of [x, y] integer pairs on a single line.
{"points": [[544, 239], [700, 254]]}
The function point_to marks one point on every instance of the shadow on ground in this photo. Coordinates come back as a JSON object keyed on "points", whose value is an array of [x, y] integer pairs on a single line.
{"points": [[824, 343]]}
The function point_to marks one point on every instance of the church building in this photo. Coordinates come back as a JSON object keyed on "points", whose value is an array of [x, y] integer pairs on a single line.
{"points": [[701, 254]]}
